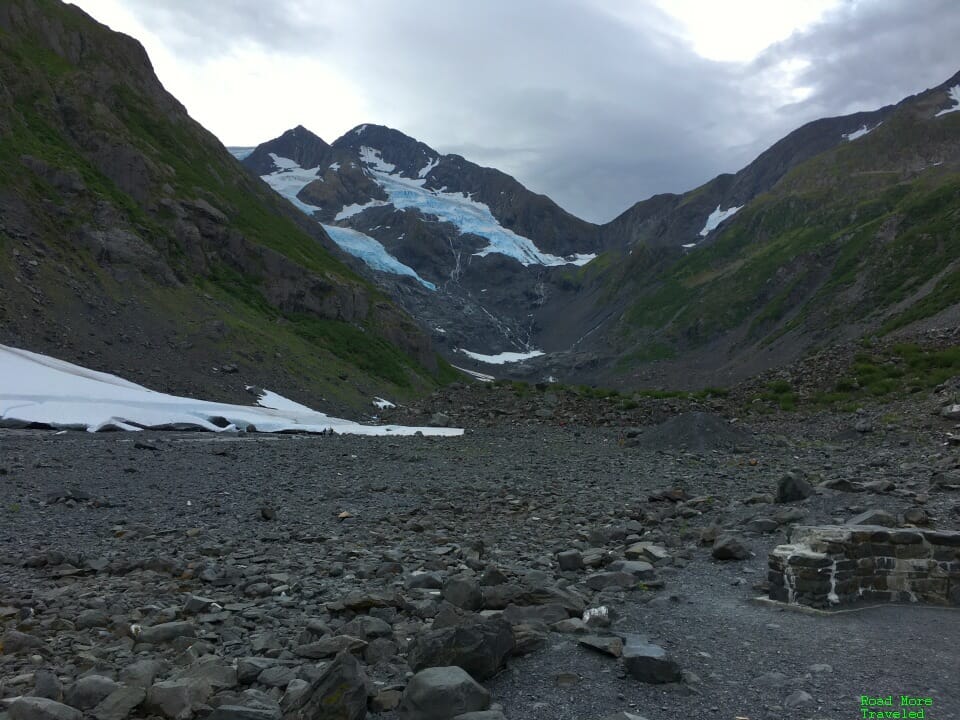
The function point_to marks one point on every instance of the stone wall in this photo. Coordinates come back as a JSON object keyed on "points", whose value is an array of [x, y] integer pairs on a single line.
{"points": [[831, 565]]}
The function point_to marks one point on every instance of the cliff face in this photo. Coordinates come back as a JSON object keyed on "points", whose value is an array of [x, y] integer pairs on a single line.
{"points": [[121, 217]]}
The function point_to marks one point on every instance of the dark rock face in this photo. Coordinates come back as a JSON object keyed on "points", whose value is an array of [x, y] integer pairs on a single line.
{"points": [[481, 647]]}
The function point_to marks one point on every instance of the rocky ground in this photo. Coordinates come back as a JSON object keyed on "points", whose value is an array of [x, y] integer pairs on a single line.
{"points": [[579, 561]]}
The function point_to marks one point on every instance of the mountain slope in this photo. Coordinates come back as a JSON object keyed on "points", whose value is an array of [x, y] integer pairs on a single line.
{"points": [[859, 234], [132, 238]]}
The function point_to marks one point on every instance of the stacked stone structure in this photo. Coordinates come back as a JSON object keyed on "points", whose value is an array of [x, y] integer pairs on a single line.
{"points": [[831, 565]]}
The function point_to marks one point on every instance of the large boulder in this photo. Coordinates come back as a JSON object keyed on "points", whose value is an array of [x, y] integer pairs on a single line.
{"points": [[35, 708], [479, 646], [339, 693], [440, 693]]}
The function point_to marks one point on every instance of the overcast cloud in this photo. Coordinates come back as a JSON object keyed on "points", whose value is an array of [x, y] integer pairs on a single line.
{"points": [[597, 104]]}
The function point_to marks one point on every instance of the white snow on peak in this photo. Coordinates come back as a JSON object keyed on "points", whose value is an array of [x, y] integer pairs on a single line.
{"points": [[40, 389], [382, 404], [349, 211], [859, 133], [425, 170], [468, 215], [359, 129], [504, 357], [954, 94], [371, 156], [289, 179], [282, 163], [717, 217], [372, 253]]}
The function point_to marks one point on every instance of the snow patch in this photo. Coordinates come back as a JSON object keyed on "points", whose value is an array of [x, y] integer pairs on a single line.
{"points": [[688, 246], [954, 95], [382, 404], [349, 211], [850, 137], [504, 357], [289, 179], [425, 170], [717, 217], [372, 253], [39, 389], [482, 377], [359, 130], [269, 399], [372, 157], [334, 166]]}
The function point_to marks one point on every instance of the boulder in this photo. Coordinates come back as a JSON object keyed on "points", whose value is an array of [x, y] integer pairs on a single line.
{"points": [[649, 663], [338, 693], [35, 708], [792, 487], [440, 693], [479, 646], [730, 547], [87, 692]]}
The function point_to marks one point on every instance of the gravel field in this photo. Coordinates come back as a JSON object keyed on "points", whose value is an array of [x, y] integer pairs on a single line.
{"points": [[296, 537]]}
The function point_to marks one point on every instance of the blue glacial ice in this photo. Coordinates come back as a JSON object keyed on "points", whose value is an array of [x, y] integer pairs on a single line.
{"points": [[289, 179], [468, 215], [372, 253]]}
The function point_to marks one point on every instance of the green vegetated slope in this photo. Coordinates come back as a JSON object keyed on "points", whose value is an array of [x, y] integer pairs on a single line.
{"points": [[864, 237], [130, 237]]}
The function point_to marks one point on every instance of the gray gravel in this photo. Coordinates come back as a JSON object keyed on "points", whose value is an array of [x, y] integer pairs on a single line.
{"points": [[345, 508]]}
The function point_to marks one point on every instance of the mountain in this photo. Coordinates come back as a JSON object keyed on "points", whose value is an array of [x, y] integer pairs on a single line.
{"points": [[848, 227], [467, 250], [132, 241]]}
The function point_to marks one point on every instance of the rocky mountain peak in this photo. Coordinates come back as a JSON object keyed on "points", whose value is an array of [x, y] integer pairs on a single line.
{"points": [[305, 148], [408, 155]]}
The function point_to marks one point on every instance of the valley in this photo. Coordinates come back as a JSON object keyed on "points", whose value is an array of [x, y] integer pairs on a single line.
{"points": [[310, 430]]}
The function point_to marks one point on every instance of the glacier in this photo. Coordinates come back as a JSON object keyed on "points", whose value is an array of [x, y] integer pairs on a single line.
{"points": [[468, 215], [717, 217], [372, 253], [289, 179]]}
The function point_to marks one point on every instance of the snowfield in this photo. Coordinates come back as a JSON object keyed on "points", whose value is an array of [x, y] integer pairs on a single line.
{"points": [[38, 389], [863, 130], [954, 94], [717, 217], [504, 357]]}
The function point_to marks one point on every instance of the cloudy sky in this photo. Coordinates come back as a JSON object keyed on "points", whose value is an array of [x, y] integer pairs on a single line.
{"points": [[597, 103]]}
